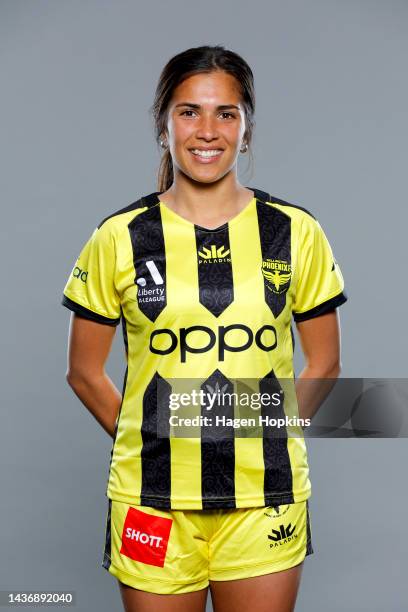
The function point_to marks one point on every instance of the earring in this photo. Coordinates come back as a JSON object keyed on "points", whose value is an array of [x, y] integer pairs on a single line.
{"points": [[163, 144], [244, 147]]}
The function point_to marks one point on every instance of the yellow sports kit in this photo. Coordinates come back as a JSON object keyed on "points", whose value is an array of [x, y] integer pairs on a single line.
{"points": [[215, 305], [178, 551]]}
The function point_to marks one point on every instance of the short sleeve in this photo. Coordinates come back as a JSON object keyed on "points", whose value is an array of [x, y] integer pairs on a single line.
{"points": [[90, 289], [320, 283]]}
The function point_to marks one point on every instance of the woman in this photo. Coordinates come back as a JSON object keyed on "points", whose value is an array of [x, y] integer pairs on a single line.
{"points": [[205, 275]]}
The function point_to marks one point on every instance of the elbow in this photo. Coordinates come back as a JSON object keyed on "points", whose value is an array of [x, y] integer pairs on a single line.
{"points": [[325, 369], [82, 376], [332, 369], [336, 370], [74, 378], [69, 377]]}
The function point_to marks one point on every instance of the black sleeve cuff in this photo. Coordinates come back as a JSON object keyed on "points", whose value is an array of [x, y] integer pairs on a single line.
{"points": [[327, 306], [86, 313]]}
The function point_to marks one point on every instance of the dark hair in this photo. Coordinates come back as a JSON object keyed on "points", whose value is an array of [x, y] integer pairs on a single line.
{"points": [[198, 60]]}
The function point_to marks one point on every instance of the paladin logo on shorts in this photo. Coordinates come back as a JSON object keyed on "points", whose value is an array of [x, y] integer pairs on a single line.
{"points": [[277, 273], [145, 537], [213, 255], [283, 536]]}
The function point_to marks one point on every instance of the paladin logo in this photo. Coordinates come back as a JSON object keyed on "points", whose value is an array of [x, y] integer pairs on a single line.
{"points": [[213, 255], [283, 536], [277, 274]]}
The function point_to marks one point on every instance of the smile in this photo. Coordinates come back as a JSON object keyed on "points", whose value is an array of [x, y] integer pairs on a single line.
{"points": [[208, 155]]}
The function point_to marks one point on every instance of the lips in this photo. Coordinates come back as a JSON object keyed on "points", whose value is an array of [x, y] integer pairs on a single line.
{"points": [[206, 155]]}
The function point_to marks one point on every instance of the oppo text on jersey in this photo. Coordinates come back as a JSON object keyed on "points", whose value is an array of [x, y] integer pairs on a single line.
{"points": [[218, 337]]}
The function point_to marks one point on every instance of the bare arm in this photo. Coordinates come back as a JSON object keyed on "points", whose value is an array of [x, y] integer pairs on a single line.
{"points": [[320, 341], [89, 345]]}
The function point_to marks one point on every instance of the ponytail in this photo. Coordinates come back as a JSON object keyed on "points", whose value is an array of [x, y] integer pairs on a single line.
{"points": [[165, 175]]}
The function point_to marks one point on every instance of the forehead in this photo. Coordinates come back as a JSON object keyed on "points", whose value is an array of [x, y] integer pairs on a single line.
{"points": [[216, 87]]}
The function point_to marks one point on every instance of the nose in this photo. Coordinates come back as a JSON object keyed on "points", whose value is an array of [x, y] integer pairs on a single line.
{"points": [[207, 128]]}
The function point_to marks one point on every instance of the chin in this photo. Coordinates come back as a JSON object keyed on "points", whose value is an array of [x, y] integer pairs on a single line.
{"points": [[205, 177]]}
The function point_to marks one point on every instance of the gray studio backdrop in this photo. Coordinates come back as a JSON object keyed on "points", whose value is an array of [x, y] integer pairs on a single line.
{"points": [[77, 144]]}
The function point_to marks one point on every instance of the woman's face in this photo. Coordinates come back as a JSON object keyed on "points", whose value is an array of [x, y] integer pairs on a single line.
{"points": [[205, 126]]}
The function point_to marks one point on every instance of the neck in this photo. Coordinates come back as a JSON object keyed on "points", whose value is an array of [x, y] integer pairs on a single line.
{"points": [[206, 202]]}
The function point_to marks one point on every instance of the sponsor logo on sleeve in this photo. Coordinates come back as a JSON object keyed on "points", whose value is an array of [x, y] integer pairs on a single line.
{"points": [[80, 274]]}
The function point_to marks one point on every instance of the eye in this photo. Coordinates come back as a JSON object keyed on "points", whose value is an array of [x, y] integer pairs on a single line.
{"points": [[227, 113], [187, 111]]}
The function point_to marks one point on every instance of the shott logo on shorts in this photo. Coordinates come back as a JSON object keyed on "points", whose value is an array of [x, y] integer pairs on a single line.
{"points": [[265, 338], [145, 537], [283, 535]]}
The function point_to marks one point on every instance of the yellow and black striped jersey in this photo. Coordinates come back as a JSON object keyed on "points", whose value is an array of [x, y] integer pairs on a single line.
{"points": [[215, 304]]}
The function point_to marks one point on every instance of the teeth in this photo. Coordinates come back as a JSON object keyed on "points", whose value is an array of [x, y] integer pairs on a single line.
{"points": [[211, 153]]}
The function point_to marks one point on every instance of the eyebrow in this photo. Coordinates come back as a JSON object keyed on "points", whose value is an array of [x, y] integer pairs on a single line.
{"points": [[220, 107]]}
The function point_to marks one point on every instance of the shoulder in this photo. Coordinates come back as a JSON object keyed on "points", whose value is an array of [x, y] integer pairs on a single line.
{"points": [[110, 231], [287, 207], [302, 219], [122, 217], [291, 209]]}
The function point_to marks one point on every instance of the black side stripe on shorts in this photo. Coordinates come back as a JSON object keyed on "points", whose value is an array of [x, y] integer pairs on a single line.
{"points": [[107, 550], [309, 547]]}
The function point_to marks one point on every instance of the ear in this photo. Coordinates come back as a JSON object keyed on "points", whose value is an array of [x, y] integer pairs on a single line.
{"points": [[163, 140]]}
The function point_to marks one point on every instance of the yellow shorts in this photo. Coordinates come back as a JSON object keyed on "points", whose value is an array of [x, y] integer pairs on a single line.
{"points": [[178, 551]]}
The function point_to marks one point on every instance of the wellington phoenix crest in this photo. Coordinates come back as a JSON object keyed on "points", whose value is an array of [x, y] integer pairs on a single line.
{"points": [[277, 274]]}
